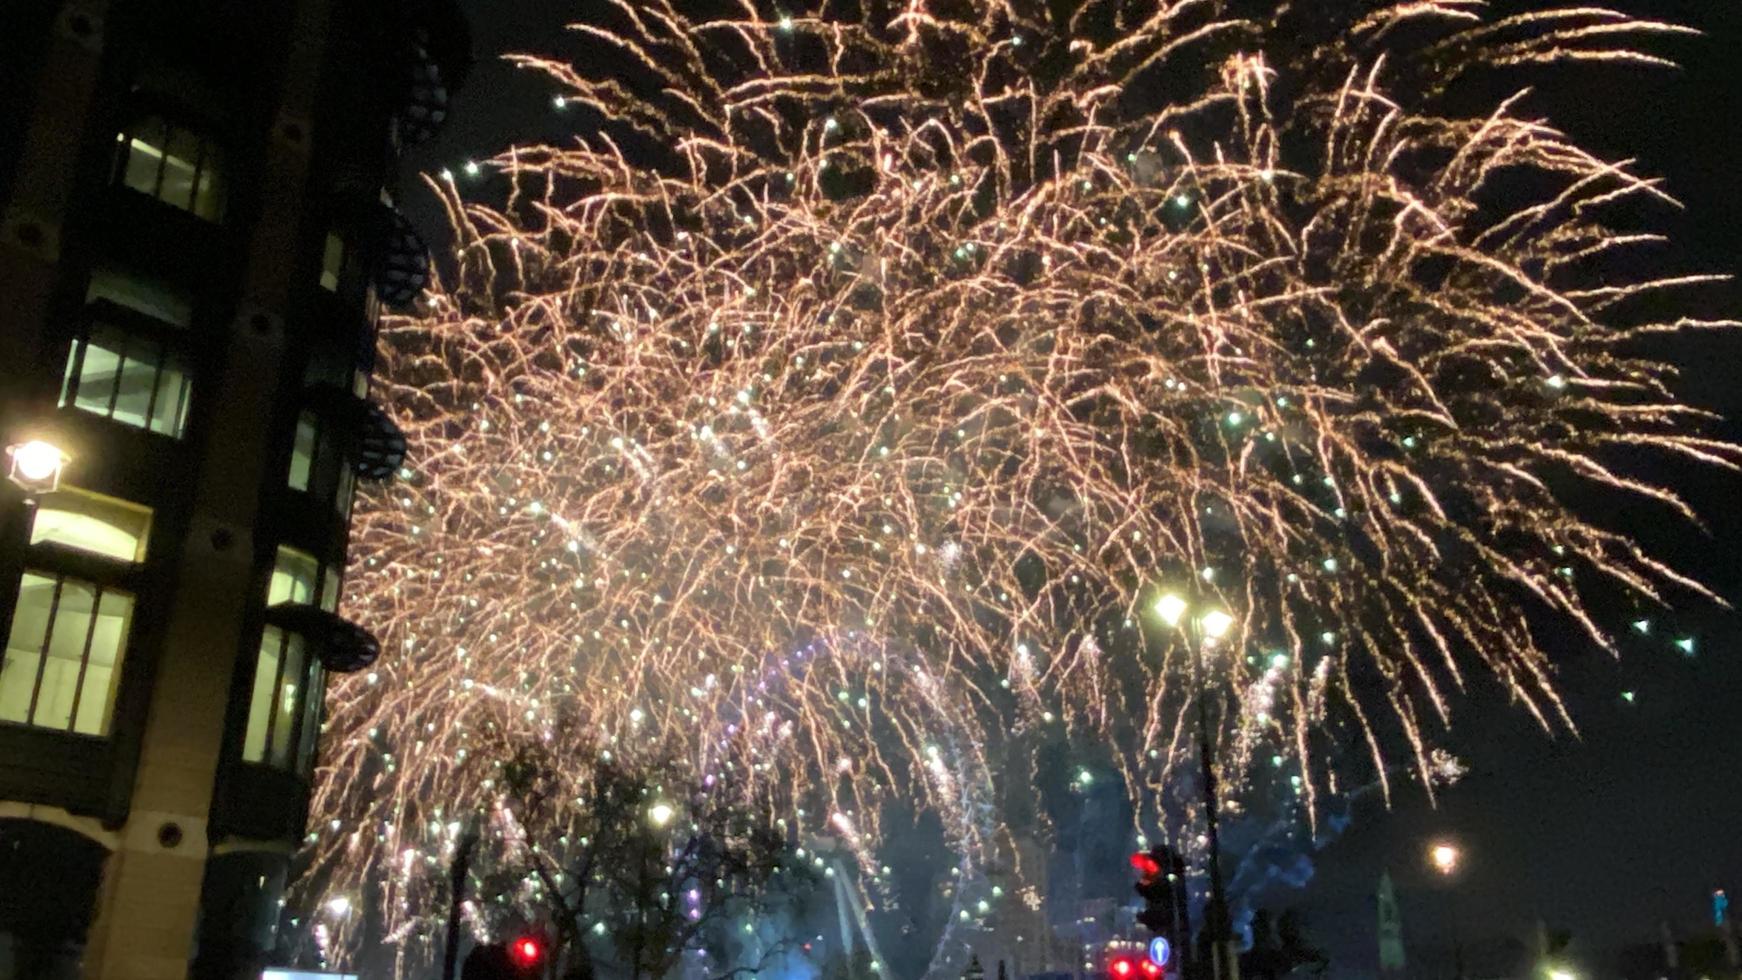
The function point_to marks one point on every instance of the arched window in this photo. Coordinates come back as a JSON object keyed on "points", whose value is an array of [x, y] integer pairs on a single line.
{"points": [[92, 523]]}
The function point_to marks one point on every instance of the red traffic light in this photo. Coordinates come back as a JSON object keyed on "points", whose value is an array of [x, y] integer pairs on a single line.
{"points": [[1147, 867], [527, 951]]}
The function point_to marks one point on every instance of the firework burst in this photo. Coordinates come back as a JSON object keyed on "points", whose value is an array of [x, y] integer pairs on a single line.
{"points": [[837, 414]]}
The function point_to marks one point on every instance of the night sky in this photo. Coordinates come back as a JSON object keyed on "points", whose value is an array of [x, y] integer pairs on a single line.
{"points": [[1636, 819]]}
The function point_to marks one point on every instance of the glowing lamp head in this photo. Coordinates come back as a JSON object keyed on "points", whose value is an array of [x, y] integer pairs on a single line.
{"points": [[1444, 857], [1170, 608], [36, 466], [1561, 973], [660, 814], [1216, 624]]}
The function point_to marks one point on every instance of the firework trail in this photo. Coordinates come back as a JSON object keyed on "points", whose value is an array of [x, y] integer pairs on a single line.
{"points": [[941, 340]]}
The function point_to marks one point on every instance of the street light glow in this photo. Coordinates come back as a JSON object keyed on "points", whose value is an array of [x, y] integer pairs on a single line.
{"points": [[1170, 608], [36, 465], [1216, 624], [660, 814], [1445, 859]]}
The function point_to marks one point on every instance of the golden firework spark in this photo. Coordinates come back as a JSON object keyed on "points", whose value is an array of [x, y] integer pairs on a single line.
{"points": [[838, 414]]}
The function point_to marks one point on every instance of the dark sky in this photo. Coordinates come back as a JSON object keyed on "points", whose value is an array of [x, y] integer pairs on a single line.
{"points": [[1635, 820]]}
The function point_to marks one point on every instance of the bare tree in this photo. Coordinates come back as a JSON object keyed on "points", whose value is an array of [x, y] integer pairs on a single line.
{"points": [[628, 866]]}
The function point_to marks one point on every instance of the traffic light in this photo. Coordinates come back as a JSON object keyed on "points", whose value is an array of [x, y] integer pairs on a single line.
{"points": [[519, 959], [1159, 873]]}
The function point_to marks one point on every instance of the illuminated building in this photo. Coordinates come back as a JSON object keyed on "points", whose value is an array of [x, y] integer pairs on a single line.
{"points": [[197, 237]]}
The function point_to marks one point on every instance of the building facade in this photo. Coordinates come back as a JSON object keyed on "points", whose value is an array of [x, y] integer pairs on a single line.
{"points": [[197, 234]]}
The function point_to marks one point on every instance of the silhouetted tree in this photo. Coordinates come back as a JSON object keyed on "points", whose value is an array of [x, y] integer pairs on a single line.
{"points": [[1279, 948], [630, 864]]}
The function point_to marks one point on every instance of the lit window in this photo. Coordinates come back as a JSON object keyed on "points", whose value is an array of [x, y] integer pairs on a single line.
{"points": [[128, 378], [316, 464], [302, 452], [90, 523], [172, 164], [142, 294], [295, 576], [332, 262], [284, 707], [63, 657], [347, 486], [330, 590]]}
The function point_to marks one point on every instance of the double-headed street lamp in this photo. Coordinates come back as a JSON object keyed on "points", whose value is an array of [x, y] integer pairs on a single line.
{"points": [[1205, 628]]}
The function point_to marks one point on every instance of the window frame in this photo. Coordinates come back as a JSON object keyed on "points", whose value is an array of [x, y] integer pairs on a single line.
{"points": [[60, 579], [298, 752], [339, 272], [94, 501], [208, 188], [168, 342], [109, 284], [105, 575], [323, 593], [329, 474], [327, 580]]}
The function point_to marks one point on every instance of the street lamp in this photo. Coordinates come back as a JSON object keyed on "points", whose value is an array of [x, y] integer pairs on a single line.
{"points": [[1170, 608], [1212, 624], [1205, 630], [35, 466], [1215, 624], [660, 814], [1445, 858]]}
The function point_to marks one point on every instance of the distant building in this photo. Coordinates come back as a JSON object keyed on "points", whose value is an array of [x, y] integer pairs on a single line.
{"points": [[1018, 938], [196, 234], [1391, 953]]}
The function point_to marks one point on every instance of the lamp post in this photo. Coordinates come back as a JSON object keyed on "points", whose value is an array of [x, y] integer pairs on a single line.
{"points": [[1204, 630], [1447, 858]]}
